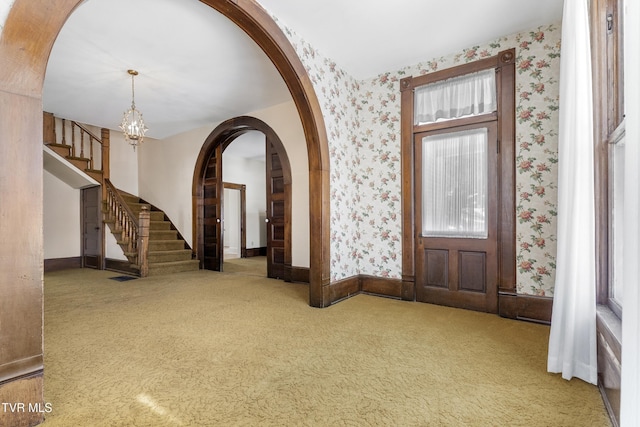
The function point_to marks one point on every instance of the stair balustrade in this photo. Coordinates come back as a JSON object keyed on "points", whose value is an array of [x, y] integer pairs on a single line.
{"points": [[133, 230], [79, 145]]}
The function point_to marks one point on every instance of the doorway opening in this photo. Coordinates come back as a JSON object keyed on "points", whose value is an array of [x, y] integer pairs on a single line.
{"points": [[267, 227]]}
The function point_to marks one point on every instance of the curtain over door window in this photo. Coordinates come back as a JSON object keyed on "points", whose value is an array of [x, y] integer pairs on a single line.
{"points": [[467, 95], [455, 184]]}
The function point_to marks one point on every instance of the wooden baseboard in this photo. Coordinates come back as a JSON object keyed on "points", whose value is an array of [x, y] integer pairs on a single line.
{"points": [[255, 252], [56, 264], [362, 283], [343, 289], [120, 266], [513, 306], [525, 307], [299, 274], [381, 286]]}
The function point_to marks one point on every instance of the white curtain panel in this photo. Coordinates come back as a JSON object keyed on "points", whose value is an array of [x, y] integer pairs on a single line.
{"points": [[471, 94], [454, 184], [572, 341]]}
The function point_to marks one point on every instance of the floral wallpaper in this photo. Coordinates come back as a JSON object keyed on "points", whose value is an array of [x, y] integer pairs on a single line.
{"points": [[363, 127]]}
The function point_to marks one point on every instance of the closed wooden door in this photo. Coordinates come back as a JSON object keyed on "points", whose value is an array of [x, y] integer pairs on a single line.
{"points": [[211, 209], [91, 228], [457, 217], [277, 225]]}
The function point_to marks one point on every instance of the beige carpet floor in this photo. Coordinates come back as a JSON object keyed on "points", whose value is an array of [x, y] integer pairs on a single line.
{"points": [[227, 349], [256, 266]]}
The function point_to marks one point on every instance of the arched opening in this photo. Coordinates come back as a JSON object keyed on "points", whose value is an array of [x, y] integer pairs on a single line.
{"points": [[207, 194], [24, 54]]}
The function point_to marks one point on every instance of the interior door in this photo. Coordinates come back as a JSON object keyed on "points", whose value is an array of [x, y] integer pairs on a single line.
{"points": [[276, 209], [457, 217], [91, 227], [212, 212]]}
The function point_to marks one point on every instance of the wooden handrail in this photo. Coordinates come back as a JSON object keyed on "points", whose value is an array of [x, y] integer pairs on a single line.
{"points": [[134, 230], [102, 143], [120, 200]]}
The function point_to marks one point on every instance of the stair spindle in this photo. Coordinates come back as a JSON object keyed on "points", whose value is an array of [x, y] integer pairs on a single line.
{"points": [[64, 133], [73, 141]]}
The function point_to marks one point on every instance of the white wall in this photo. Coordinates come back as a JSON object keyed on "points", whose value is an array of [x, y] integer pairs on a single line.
{"points": [[61, 221], [166, 174]]}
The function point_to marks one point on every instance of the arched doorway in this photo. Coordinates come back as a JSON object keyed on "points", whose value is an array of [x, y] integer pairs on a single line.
{"points": [[24, 54], [208, 201]]}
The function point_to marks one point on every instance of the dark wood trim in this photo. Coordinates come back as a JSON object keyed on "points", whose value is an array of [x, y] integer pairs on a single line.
{"points": [[470, 67], [345, 288], [507, 177], [459, 122], [251, 252], [381, 286], [56, 264], [299, 274], [120, 266], [407, 190], [243, 215], [261, 27], [525, 307], [220, 138], [504, 62]]}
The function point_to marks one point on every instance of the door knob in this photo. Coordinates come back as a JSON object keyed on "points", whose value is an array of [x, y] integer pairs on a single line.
{"points": [[266, 220], [218, 220]]}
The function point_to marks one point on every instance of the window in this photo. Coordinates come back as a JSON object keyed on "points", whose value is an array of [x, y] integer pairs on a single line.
{"points": [[608, 80]]}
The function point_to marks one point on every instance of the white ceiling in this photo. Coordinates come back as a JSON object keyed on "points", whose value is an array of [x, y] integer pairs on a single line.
{"points": [[197, 68]]}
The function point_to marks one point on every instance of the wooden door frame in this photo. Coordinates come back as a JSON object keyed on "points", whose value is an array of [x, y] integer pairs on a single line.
{"points": [[223, 135], [504, 62], [243, 216]]}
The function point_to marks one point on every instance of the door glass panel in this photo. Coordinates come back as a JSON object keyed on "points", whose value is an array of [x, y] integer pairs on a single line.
{"points": [[454, 184]]}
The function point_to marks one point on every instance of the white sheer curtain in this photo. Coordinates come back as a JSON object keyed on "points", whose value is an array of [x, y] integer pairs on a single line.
{"points": [[470, 94], [454, 184], [572, 342]]}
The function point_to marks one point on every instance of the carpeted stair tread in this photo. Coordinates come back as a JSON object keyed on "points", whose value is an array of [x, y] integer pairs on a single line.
{"points": [[165, 245], [160, 225], [170, 255], [158, 268], [163, 235], [167, 252]]}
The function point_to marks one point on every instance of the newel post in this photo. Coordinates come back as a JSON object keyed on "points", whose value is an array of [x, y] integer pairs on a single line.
{"points": [[144, 221], [106, 160]]}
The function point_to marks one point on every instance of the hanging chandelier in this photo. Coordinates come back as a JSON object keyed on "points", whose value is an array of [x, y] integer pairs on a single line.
{"points": [[132, 122]]}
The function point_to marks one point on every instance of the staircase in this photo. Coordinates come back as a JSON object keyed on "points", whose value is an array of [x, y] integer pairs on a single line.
{"points": [[168, 252], [147, 237]]}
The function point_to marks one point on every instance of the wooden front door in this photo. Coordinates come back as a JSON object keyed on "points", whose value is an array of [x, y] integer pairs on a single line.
{"points": [[277, 207], [211, 211], [91, 227], [456, 211]]}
